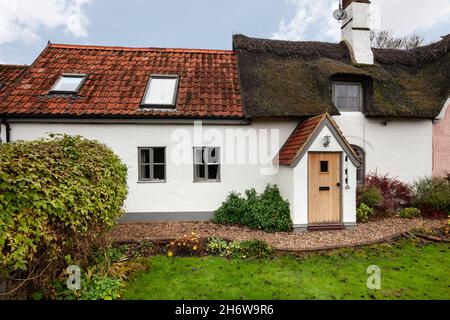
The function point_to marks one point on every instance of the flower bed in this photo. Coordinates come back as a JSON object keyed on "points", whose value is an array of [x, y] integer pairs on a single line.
{"points": [[370, 232]]}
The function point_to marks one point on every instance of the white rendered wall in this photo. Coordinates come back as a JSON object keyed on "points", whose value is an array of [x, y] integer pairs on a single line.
{"points": [[402, 148], [179, 193], [285, 182], [300, 187]]}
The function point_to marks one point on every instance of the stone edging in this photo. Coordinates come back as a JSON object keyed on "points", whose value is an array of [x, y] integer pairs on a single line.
{"points": [[163, 241]]}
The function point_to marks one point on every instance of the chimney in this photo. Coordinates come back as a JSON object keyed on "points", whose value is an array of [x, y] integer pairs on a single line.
{"points": [[356, 29]]}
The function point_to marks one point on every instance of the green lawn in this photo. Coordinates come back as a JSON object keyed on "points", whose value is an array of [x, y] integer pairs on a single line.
{"points": [[408, 271]]}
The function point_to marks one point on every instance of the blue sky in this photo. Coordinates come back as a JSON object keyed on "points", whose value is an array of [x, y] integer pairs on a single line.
{"points": [[27, 25]]}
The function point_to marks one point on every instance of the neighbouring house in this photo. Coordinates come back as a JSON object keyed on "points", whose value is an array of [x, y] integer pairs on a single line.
{"points": [[8, 75], [441, 143], [193, 125]]}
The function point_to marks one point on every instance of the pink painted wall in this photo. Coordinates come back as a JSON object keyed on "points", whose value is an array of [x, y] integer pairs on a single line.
{"points": [[441, 145]]}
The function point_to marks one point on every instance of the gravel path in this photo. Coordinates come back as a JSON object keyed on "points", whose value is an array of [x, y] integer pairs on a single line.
{"points": [[365, 232]]}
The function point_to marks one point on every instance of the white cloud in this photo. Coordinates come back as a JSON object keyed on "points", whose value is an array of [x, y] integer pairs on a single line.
{"points": [[20, 20], [310, 16], [406, 16], [314, 19]]}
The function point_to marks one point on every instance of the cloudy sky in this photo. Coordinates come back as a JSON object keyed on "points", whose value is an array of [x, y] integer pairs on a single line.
{"points": [[27, 25]]}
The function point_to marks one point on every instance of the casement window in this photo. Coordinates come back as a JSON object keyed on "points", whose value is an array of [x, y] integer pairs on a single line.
{"points": [[207, 164], [161, 91], [68, 83], [323, 166], [360, 171], [152, 164], [347, 96]]}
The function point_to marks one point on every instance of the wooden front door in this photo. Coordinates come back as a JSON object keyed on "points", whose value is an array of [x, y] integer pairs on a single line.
{"points": [[324, 188]]}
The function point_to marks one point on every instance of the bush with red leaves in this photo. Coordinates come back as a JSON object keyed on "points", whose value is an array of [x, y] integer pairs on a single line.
{"points": [[432, 196], [396, 193]]}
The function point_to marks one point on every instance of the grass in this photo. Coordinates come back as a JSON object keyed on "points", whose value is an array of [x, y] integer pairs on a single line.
{"points": [[409, 270]]}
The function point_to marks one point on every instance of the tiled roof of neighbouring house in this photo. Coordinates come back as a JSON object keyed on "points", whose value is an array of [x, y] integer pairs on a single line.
{"points": [[117, 78], [288, 78], [8, 75], [302, 135]]}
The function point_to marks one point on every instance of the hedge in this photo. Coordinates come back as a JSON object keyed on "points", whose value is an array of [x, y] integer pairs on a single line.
{"points": [[57, 197], [267, 211]]}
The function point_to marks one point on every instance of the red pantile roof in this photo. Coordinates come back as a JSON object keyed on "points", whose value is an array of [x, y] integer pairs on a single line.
{"points": [[8, 75], [302, 134], [117, 78], [298, 139]]}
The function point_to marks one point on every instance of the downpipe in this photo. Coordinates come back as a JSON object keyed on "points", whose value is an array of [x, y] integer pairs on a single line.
{"points": [[7, 129]]}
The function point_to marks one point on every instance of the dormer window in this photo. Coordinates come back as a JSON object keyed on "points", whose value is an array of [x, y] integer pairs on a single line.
{"points": [[347, 96], [161, 91], [68, 83]]}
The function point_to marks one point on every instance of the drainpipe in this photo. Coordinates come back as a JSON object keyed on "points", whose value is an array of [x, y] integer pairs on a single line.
{"points": [[7, 129]]}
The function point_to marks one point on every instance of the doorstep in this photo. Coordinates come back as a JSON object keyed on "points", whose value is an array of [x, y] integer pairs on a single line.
{"points": [[320, 227]]}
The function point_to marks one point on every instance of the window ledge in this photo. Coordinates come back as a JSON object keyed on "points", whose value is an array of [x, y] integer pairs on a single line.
{"points": [[207, 181], [154, 181]]}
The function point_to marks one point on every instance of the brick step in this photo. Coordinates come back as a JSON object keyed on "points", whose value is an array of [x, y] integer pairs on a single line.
{"points": [[319, 227]]}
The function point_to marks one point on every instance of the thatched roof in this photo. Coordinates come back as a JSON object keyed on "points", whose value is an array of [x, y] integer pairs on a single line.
{"points": [[287, 78]]}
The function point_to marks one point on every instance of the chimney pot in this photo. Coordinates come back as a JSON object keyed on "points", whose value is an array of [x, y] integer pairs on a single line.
{"points": [[346, 3]]}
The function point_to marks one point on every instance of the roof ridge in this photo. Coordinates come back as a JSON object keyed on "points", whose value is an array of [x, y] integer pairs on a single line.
{"points": [[14, 65], [284, 40], [123, 48]]}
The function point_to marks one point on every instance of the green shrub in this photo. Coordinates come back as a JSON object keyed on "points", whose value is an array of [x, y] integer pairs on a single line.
{"points": [[93, 287], [58, 196], [104, 278], [363, 212], [409, 213], [217, 246], [101, 288], [250, 249], [232, 210], [433, 193], [267, 211], [369, 195], [246, 249]]}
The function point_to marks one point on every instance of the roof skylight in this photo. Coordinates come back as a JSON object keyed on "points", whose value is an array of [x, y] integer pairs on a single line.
{"points": [[68, 83], [161, 91]]}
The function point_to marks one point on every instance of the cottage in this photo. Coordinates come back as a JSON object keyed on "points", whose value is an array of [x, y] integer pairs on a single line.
{"points": [[193, 125]]}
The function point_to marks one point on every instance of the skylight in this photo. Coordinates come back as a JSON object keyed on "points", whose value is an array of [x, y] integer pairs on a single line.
{"points": [[68, 83], [161, 91]]}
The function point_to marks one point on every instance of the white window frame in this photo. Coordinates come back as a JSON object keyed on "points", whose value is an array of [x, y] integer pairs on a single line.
{"points": [[361, 94], [69, 75], [145, 104], [206, 164], [151, 164]]}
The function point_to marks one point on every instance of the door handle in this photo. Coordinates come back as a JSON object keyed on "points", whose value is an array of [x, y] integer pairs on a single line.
{"points": [[338, 184]]}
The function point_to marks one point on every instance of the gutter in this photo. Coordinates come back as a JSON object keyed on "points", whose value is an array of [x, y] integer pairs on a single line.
{"points": [[127, 120], [8, 129]]}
